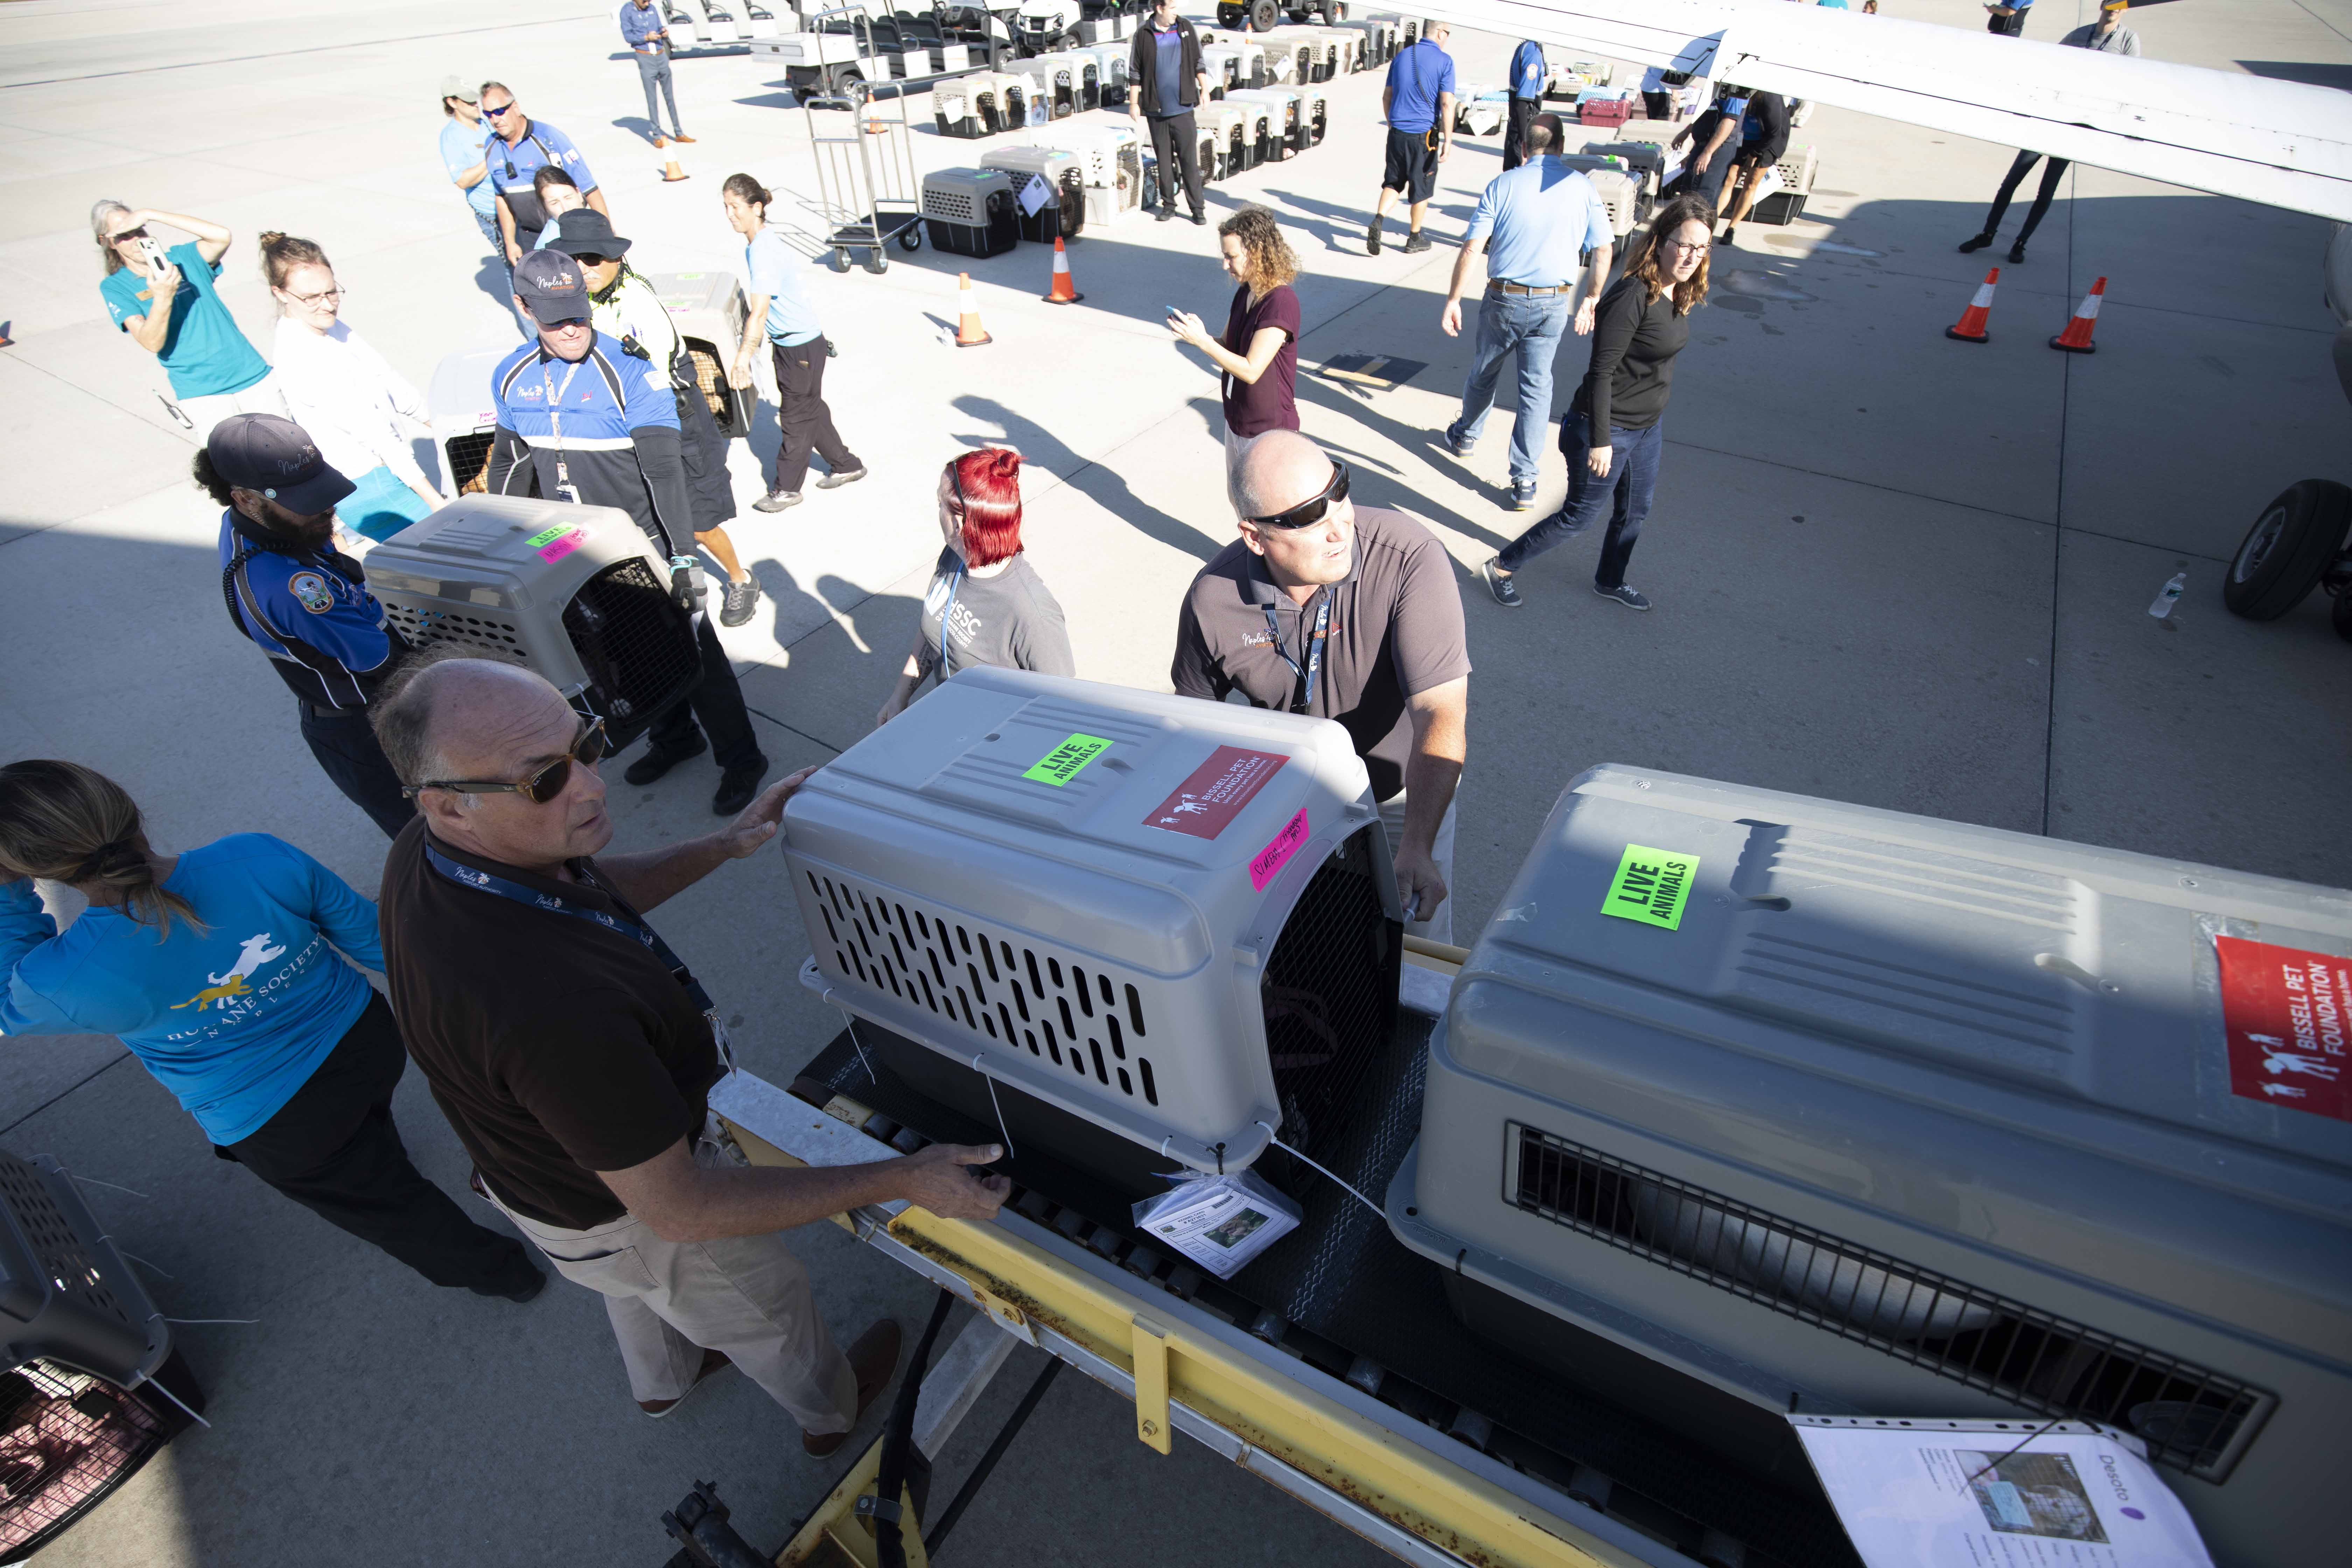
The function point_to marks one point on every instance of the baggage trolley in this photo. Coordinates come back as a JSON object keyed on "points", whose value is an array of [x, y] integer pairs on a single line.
{"points": [[866, 192]]}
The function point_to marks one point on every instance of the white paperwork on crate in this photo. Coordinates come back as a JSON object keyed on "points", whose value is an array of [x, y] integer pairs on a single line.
{"points": [[1219, 1221]]}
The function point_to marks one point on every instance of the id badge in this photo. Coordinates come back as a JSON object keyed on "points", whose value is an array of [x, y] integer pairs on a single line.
{"points": [[570, 492]]}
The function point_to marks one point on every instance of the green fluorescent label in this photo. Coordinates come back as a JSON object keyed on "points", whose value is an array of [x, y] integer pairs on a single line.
{"points": [[1064, 761], [548, 535], [1651, 887]]}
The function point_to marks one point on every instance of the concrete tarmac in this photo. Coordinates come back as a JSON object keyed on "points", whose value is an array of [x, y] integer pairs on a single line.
{"points": [[1888, 568]]}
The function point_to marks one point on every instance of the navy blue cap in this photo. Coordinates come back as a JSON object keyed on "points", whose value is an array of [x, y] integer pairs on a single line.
{"points": [[553, 286], [268, 453]]}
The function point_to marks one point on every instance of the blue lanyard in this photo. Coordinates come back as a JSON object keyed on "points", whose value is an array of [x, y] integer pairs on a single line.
{"points": [[954, 584], [554, 904], [1313, 650]]}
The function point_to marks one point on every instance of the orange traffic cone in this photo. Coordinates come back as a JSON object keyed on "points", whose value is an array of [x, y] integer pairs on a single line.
{"points": [[1970, 327], [671, 173], [1064, 291], [969, 335], [2076, 338]]}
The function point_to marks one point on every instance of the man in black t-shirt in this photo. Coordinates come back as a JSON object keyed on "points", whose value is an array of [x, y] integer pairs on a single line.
{"points": [[574, 1053]]}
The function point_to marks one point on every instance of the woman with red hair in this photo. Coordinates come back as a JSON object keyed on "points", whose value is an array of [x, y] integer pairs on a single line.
{"points": [[986, 604]]}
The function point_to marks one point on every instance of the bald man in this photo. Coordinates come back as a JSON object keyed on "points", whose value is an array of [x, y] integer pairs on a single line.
{"points": [[573, 1051], [1351, 614]]}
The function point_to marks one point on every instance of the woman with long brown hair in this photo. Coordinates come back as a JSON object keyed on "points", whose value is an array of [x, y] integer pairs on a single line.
{"points": [[1257, 357], [1613, 430], [233, 973]]}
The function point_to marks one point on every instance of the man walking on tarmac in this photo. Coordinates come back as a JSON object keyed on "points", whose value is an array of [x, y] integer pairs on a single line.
{"points": [[1164, 83], [646, 32], [1418, 103], [1528, 71], [596, 426]]}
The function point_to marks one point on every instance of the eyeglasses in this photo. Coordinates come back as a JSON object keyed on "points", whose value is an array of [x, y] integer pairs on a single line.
{"points": [[336, 293], [1310, 513], [501, 109], [541, 786], [1701, 248]]}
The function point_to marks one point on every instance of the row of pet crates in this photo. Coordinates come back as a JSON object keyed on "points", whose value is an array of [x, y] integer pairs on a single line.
{"points": [[1093, 174]]}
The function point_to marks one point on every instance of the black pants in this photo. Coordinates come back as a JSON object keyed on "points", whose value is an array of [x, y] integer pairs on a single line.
{"points": [[333, 1149], [1176, 147], [1514, 130], [2010, 26], [802, 419], [1658, 104], [347, 749], [2018, 169], [717, 701]]}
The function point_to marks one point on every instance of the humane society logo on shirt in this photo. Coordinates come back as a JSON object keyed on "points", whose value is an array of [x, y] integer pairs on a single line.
{"points": [[234, 996]]}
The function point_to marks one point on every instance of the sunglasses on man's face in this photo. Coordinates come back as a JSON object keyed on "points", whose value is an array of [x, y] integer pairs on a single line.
{"points": [[1310, 512], [541, 786], [494, 111]]}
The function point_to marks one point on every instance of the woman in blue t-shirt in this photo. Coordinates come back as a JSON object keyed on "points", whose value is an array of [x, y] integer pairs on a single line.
{"points": [[165, 299], [231, 972]]}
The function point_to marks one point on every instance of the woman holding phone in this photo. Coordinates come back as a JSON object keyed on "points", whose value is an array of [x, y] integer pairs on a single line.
{"points": [[1257, 356], [165, 299]]}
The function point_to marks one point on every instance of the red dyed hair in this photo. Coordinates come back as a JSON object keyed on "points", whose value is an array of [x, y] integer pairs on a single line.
{"points": [[989, 481]]}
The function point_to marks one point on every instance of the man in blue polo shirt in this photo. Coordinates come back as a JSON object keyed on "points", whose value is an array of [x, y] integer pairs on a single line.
{"points": [[519, 148], [1418, 103], [1527, 73], [1537, 224], [301, 602]]}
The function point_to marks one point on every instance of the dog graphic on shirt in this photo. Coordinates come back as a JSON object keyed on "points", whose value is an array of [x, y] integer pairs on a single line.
{"points": [[256, 951]]}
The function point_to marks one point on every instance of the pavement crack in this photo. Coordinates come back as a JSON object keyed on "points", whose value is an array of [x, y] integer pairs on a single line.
{"points": [[62, 1093]]}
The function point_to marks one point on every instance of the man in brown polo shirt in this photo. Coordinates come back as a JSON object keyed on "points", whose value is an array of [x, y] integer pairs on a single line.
{"points": [[1351, 614], [573, 1051]]}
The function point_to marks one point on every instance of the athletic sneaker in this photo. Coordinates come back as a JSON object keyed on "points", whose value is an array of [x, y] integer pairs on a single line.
{"points": [[2017, 253], [776, 501], [846, 477], [1499, 583], [1415, 243], [1523, 495], [741, 597], [1968, 246], [1629, 597], [1373, 237], [1460, 446]]}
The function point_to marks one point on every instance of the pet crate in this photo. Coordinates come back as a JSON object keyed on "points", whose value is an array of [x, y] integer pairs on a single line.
{"points": [[1111, 162], [1761, 1103], [576, 593], [66, 1294], [1111, 74], [971, 212], [1347, 46], [1227, 125], [1286, 126], [709, 312], [66, 1441], [1258, 119], [463, 421], [1064, 213], [1796, 169], [1380, 41], [1171, 920], [1222, 64]]}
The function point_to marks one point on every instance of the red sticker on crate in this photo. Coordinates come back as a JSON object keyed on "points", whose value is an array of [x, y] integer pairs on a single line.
{"points": [[2287, 1011], [1270, 860], [1206, 802]]}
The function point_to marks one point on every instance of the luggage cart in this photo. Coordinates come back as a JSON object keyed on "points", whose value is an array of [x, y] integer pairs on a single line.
{"points": [[866, 191]]}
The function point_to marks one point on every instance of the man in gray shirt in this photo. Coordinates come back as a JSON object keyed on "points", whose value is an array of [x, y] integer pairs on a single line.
{"points": [[2107, 36]]}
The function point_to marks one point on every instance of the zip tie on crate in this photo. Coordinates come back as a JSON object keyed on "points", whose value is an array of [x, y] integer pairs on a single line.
{"points": [[1001, 1131], [143, 1263], [175, 1399], [858, 1046], [1359, 1196], [245, 1320], [118, 1186]]}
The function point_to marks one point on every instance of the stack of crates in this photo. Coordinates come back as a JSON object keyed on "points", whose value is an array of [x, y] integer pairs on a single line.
{"points": [[1109, 160], [971, 212], [1065, 212], [1285, 121]]}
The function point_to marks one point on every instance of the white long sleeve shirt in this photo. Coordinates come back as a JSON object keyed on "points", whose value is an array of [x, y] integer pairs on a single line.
{"points": [[349, 401]]}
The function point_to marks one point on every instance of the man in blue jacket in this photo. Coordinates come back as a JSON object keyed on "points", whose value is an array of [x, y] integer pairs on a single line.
{"points": [[583, 420], [1527, 73]]}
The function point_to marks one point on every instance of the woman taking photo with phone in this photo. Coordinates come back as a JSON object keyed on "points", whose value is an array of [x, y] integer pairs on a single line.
{"points": [[1614, 428], [357, 408], [1257, 357], [231, 972], [165, 299]]}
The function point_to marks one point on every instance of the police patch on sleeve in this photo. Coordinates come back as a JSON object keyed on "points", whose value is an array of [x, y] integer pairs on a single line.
{"points": [[309, 590]]}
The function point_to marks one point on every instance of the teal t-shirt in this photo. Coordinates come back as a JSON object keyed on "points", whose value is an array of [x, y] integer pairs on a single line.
{"points": [[204, 353]]}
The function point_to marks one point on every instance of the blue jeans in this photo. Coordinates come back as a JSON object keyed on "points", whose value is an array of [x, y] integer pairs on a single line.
{"points": [[1632, 478], [1531, 324]]}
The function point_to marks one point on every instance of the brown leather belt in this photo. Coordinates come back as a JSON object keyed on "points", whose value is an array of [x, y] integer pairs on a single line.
{"points": [[1498, 286]]}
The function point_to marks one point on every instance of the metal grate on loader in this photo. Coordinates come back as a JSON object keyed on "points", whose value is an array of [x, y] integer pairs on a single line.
{"points": [[634, 641], [2191, 1419]]}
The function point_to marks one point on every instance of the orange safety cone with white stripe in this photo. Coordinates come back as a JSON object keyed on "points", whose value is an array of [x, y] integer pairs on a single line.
{"points": [[2076, 338], [1064, 292], [969, 335], [1970, 327], [671, 173]]}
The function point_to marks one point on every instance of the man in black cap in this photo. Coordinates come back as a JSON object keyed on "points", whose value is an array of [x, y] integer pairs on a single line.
{"points": [[624, 306], [593, 424], [303, 602]]}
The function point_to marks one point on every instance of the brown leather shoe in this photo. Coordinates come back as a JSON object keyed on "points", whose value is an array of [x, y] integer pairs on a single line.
{"points": [[681, 136], [713, 1362], [873, 1358]]}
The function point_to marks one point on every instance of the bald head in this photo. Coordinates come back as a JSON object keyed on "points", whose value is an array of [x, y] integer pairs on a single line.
{"points": [[457, 717], [1281, 469]]}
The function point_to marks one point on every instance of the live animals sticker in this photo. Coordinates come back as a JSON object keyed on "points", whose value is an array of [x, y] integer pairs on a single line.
{"points": [[1067, 761], [1651, 886]]}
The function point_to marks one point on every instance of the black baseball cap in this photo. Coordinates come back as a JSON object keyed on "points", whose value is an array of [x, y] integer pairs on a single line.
{"points": [[268, 453], [585, 231], [552, 285]]}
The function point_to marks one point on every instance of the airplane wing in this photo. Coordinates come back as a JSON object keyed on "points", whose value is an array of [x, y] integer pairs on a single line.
{"points": [[2282, 143]]}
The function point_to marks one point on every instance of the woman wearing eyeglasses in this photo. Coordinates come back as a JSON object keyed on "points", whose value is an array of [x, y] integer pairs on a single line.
{"points": [[986, 603], [233, 973], [357, 408], [1613, 430]]}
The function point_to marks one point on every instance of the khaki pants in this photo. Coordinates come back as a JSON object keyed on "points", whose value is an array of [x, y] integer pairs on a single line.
{"points": [[1440, 926], [669, 1300]]}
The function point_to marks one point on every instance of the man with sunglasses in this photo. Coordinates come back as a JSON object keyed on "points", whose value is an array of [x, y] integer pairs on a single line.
{"points": [[573, 1052], [580, 419], [1351, 614], [517, 148]]}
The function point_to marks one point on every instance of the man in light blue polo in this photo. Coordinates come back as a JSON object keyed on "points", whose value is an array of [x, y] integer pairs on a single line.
{"points": [[1535, 225], [1418, 103]]}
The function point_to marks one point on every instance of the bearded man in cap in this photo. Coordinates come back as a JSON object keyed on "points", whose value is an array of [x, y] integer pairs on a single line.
{"points": [[580, 419], [303, 602]]}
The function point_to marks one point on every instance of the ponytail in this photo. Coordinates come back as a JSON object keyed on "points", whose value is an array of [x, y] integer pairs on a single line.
{"points": [[71, 824]]}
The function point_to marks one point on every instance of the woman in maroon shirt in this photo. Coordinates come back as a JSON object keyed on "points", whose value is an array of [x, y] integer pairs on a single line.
{"points": [[1258, 354]]}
